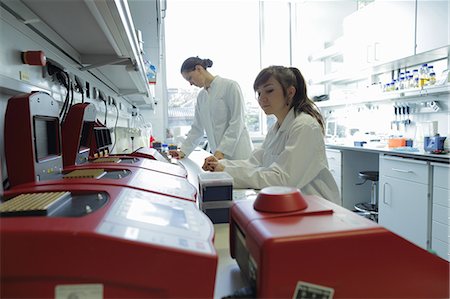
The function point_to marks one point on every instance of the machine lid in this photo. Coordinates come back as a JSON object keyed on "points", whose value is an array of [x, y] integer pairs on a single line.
{"points": [[279, 199]]}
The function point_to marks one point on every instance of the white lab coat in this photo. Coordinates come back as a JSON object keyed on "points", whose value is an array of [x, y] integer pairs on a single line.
{"points": [[220, 113], [291, 155]]}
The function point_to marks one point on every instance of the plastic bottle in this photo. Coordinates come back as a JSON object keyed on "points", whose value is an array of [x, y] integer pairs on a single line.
{"points": [[431, 71], [432, 79], [165, 148], [415, 81], [423, 75], [410, 81], [407, 73], [395, 84], [401, 83]]}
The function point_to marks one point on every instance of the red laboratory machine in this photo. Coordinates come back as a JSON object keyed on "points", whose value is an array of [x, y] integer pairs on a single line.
{"points": [[293, 246], [103, 241], [32, 138], [33, 154], [84, 140]]}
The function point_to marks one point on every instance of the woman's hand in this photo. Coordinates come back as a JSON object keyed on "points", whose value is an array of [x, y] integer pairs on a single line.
{"points": [[219, 155], [177, 154], [212, 164]]}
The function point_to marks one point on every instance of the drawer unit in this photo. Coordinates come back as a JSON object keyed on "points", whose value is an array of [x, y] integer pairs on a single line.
{"points": [[405, 169], [441, 248], [404, 202], [441, 175], [440, 231], [440, 224]]}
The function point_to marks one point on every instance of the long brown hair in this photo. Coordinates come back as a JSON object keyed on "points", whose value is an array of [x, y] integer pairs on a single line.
{"points": [[291, 76]]}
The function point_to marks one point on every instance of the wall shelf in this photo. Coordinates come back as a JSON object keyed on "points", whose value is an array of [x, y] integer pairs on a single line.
{"points": [[98, 36], [365, 97], [353, 75]]}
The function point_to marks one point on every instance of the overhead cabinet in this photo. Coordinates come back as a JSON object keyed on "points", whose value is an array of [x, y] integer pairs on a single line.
{"points": [[385, 31], [432, 29], [381, 31]]}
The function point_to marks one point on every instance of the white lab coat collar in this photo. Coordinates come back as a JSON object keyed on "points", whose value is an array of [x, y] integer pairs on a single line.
{"points": [[286, 124]]}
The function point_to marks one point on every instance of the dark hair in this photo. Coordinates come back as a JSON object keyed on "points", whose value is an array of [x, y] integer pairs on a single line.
{"points": [[291, 76], [190, 64]]}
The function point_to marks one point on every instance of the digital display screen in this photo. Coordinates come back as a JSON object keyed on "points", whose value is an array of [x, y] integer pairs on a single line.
{"points": [[46, 137], [157, 214]]}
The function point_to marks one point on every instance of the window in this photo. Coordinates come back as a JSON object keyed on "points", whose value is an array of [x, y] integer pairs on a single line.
{"points": [[240, 37]]}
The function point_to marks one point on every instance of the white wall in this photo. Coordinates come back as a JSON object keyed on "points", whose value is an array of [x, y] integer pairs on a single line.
{"points": [[17, 78]]}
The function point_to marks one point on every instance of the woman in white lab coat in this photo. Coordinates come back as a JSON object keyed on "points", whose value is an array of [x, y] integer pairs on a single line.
{"points": [[219, 112], [293, 152]]}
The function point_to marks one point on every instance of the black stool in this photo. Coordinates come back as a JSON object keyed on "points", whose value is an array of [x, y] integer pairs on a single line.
{"points": [[369, 210]]}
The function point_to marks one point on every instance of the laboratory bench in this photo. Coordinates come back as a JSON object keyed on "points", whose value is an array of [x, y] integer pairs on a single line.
{"points": [[412, 192]]}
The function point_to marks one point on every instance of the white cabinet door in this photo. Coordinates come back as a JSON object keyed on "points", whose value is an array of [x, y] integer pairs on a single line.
{"points": [[404, 203], [380, 32], [403, 209], [432, 24], [335, 165]]}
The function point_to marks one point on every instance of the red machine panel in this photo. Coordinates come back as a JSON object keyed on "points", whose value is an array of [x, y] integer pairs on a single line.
{"points": [[87, 141], [332, 249], [121, 242], [32, 138], [117, 175]]}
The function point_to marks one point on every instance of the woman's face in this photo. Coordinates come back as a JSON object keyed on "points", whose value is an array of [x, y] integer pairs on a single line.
{"points": [[194, 77], [271, 98]]}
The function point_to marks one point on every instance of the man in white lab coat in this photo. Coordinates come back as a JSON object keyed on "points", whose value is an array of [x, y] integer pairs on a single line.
{"points": [[219, 112], [293, 152]]}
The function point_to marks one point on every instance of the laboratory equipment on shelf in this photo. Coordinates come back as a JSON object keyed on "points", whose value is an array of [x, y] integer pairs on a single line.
{"points": [[33, 154], [87, 141], [288, 245]]}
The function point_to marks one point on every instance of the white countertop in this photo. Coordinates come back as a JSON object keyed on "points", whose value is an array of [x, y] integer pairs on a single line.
{"points": [[419, 154]]}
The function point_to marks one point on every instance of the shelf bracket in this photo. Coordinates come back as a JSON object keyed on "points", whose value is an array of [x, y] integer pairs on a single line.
{"points": [[96, 61], [129, 92]]}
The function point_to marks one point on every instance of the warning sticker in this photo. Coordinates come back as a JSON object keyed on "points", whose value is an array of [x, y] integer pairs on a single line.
{"points": [[306, 290], [79, 291]]}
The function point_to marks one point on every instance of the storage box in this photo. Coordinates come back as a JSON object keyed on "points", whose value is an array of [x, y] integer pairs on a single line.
{"points": [[216, 195]]}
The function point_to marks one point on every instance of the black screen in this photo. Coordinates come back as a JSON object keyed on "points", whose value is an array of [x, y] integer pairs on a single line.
{"points": [[46, 137], [85, 135]]}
